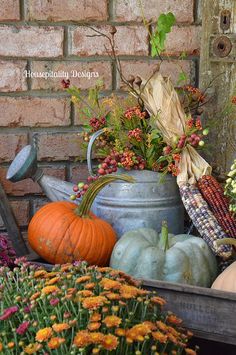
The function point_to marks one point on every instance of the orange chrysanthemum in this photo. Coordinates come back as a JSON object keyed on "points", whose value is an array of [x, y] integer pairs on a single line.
{"points": [[172, 338], [43, 334], [150, 325], [89, 286], [32, 348], [50, 289], [1, 346], [137, 332], [39, 273], [96, 337], [95, 317], [82, 339], [128, 291], [190, 351], [59, 327], [109, 284], [173, 331], [104, 269], [112, 321], [94, 302], [55, 342], [159, 336], [173, 319], [66, 267], [11, 345], [82, 279], [53, 281], [84, 293], [158, 300], [35, 296], [71, 291], [110, 342], [162, 326], [113, 296], [94, 326], [51, 274], [120, 332]]}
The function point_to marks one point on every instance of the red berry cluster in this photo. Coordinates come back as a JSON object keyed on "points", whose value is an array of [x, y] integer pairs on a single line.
{"points": [[194, 139], [97, 123], [109, 164], [65, 83]]}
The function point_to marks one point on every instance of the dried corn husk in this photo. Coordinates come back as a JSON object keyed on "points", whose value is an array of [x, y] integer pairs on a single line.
{"points": [[162, 101]]}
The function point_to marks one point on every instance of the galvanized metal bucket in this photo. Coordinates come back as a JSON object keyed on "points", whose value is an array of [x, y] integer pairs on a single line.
{"points": [[146, 203]]}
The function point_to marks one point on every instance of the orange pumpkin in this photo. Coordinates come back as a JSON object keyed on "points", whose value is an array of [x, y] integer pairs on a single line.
{"points": [[62, 232]]}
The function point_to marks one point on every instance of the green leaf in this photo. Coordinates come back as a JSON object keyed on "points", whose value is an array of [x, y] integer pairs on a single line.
{"points": [[158, 38]]}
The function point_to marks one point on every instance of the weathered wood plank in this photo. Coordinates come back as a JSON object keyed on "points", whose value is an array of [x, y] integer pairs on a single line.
{"points": [[10, 224], [218, 67], [210, 314]]}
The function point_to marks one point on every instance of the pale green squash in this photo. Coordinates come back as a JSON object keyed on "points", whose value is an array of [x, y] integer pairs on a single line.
{"points": [[145, 254]]}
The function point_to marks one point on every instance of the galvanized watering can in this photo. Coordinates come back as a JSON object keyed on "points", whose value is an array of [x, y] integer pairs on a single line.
{"points": [[125, 206]]}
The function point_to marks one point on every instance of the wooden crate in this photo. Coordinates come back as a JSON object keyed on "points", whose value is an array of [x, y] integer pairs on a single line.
{"points": [[210, 314]]}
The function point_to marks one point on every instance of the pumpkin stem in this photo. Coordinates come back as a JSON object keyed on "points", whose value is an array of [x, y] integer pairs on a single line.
{"points": [[83, 209], [224, 241], [164, 236]]}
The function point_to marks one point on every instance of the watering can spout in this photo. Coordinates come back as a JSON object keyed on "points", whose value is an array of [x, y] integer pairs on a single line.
{"points": [[25, 166]]}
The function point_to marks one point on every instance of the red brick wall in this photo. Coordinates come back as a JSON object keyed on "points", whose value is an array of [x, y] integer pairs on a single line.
{"points": [[41, 35]]}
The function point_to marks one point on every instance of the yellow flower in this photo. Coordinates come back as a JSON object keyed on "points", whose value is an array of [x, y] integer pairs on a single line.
{"points": [[94, 326], [53, 281], [95, 351], [110, 342], [50, 289], [53, 317], [112, 321], [159, 336], [32, 348], [82, 339], [59, 327], [35, 295], [95, 317], [109, 284], [158, 300], [82, 279], [43, 334], [11, 344], [55, 342], [94, 302], [39, 273]]}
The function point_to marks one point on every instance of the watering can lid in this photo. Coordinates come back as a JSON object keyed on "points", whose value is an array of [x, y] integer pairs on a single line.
{"points": [[22, 163]]}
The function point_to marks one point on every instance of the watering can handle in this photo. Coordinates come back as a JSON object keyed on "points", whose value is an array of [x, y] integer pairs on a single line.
{"points": [[90, 148]]}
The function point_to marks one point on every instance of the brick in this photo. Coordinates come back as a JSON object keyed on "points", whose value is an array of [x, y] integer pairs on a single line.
{"points": [[9, 10], [183, 39], [28, 186], [98, 70], [79, 173], [73, 10], [21, 212], [10, 145], [37, 204], [60, 146], [34, 112], [12, 78], [144, 69], [29, 41], [129, 11], [129, 40]]}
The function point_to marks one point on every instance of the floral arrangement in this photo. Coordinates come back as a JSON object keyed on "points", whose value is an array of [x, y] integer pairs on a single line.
{"points": [[75, 309], [230, 187], [7, 253]]}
